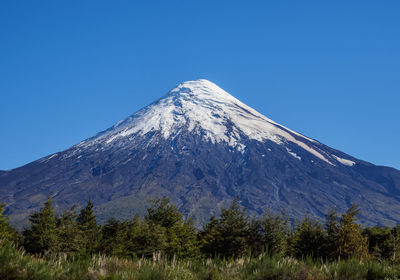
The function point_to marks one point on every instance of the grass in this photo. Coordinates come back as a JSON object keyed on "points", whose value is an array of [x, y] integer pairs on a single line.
{"points": [[15, 264]]}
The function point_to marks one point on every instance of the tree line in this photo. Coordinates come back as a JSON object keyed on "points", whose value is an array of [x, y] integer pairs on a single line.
{"points": [[164, 230]]}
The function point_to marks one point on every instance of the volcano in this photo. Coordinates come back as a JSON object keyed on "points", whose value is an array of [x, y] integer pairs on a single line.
{"points": [[201, 147]]}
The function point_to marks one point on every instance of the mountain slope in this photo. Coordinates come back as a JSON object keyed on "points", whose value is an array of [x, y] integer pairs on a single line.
{"points": [[202, 147]]}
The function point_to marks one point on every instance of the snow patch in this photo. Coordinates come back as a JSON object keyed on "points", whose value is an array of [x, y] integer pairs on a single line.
{"points": [[293, 154], [344, 161], [52, 156], [241, 148]]}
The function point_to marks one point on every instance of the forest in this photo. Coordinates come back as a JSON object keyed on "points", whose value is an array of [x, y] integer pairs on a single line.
{"points": [[164, 245]]}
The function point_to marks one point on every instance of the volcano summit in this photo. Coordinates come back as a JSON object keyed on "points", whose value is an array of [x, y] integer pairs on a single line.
{"points": [[202, 147]]}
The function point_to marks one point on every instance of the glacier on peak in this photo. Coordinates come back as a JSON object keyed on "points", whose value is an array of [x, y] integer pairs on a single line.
{"points": [[202, 107]]}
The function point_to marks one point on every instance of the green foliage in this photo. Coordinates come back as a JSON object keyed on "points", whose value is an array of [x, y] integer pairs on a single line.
{"points": [[69, 235], [209, 237], [114, 237], [332, 235], [308, 240], [41, 237], [255, 237], [4, 226], [384, 243], [233, 231], [16, 264], [379, 245], [132, 238], [163, 245], [351, 243], [163, 230], [149, 239], [7, 233], [163, 213], [89, 230], [181, 236], [276, 231], [228, 235], [394, 244]]}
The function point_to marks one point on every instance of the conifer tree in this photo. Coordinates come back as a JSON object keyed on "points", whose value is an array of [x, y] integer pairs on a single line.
{"points": [[255, 237], [115, 238], [41, 236], [68, 232], [210, 237], [163, 213], [275, 233], [228, 235], [233, 226], [183, 241], [133, 229], [89, 230], [180, 234], [332, 235], [149, 238], [308, 239]]}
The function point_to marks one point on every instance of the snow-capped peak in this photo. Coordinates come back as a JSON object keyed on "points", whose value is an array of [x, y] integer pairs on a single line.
{"points": [[203, 88], [203, 108]]}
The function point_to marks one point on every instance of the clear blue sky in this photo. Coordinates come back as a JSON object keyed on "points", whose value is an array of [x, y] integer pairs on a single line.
{"points": [[328, 69]]}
